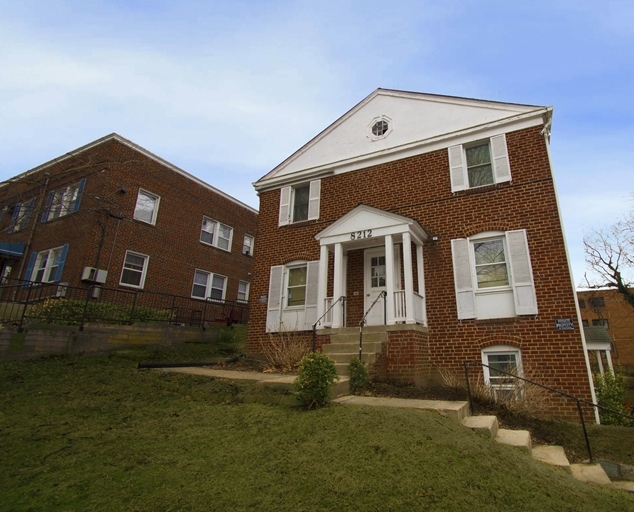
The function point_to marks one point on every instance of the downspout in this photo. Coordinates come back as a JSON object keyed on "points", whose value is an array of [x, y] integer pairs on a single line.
{"points": [[546, 133]]}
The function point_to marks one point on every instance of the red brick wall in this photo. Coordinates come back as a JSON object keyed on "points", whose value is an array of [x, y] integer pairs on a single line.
{"points": [[96, 238], [419, 187]]}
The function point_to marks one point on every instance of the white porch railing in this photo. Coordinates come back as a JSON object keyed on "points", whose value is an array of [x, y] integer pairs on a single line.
{"points": [[400, 307], [327, 321]]}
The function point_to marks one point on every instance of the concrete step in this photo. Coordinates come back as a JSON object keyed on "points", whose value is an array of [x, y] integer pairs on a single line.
{"points": [[519, 438], [592, 473], [552, 455], [346, 358], [455, 410], [354, 338], [485, 425], [334, 348]]}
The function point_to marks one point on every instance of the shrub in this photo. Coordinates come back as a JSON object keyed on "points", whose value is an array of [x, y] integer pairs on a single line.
{"points": [[358, 374], [317, 376], [285, 349], [610, 390]]}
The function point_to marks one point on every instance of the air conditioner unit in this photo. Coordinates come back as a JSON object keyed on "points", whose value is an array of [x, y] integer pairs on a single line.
{"points": [[61, 290], [95, 275]]}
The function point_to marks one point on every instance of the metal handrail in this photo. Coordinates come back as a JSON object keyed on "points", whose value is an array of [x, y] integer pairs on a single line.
{"points": [[341, 299], [363, 320], [579, 401]]}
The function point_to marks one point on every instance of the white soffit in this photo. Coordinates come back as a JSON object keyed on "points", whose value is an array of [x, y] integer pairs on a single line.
{"points": [[414, 117]]}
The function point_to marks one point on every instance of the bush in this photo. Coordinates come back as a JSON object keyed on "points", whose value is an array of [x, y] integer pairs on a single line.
{"points": [[358, 374], [317, 376], [285, 349], [610, 390]]}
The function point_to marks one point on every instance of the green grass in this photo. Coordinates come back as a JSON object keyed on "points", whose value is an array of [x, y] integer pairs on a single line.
{"points": [[95, 433]]}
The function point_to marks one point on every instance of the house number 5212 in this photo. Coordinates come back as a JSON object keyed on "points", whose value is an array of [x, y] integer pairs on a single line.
{"points": [[358, 235]]}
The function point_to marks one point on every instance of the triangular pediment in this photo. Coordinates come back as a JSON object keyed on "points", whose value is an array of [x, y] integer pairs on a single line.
{"points": [[411, 119], [363, 218]]}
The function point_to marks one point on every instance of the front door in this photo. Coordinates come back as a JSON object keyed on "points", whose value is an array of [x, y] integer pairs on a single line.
{"points": [[375, 275]]}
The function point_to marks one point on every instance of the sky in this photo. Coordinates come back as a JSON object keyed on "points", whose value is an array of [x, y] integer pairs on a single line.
{"points": [[226, 90]]}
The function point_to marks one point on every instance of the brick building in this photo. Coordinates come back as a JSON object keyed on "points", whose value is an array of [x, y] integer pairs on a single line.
{"points": [[605, 307], [437, 218], [112, 213]]}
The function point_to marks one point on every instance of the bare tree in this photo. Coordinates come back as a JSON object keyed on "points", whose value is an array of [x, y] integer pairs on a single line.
{"points": [[610, 257]]}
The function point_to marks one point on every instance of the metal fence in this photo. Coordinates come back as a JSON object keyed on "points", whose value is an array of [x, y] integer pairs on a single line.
{"points": [[22, 303]]}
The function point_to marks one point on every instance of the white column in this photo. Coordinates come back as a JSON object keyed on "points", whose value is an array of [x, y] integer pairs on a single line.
{"points": [[598, 353], [608, 356], [421, 280], [323, 282], [338, 287], [389, 278], [408, 272]]}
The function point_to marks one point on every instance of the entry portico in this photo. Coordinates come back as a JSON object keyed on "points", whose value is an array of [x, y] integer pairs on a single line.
{"points": [[379, 234]]}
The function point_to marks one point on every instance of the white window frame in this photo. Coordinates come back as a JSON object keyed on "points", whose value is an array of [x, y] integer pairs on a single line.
{"points": [[483, 238], [245, 285], [215, 234], [51, 260], [209, 285], [63, 201], [157, 200], [146, 261], [247, 245], [20, 220], [498, 152], [502, 390], [287, 202], [287, 291], [519, 271]]}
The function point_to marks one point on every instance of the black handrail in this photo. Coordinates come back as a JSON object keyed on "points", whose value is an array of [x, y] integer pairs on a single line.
{"points": [[579, 401], [363, 320], [343, 301]]}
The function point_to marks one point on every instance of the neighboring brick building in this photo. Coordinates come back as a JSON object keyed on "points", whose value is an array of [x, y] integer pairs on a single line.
{"points": [[448, 206], [114, 214], [605, 307]]}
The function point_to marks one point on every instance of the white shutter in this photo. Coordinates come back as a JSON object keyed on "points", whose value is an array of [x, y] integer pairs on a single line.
{"points": [[500, 158], [312, 287], [285, 206], [457, 169], [521, 273], [313, 199], [275, 298], [463, 281]]}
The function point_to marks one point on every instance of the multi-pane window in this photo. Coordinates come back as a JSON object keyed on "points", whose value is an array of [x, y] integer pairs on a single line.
{"points": [[585, 323], [134, 269], [582, 303], [490, 263], [46, 266], [243, 291], [216, 234], [21, 215], [597, 302], [63, 201], [247, 245], [301, 196], [146, 207], [377, 271], [296, 286], [601, 322], [502, 363], [479, 168], [208, 285]]}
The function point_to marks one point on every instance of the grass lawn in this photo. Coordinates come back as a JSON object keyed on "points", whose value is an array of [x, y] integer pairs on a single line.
{"points": [[95, 433]]}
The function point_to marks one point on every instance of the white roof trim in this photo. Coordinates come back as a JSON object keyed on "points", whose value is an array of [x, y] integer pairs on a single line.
{"points": [[143, 151]]}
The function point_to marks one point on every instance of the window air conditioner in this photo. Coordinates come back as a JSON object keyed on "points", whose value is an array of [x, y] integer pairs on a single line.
{"points": [[94, 275]]}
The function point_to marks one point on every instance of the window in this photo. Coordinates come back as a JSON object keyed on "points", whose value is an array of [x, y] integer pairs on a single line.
{"points": [[493, 277], [216, 234], [596, 302], [585, 323], [247, 245], [46, 266], [21, 215], [146, 207], [296, 286], [134, 269], [582, 303], [379, 128], [292, 298], [601, 322], [479, 164], [63, 201], [500, 359], [208, 285], [243, 291], [299, 203]]}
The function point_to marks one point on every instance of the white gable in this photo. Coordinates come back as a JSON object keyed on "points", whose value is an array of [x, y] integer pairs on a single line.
{"points": [[413, 119]]}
